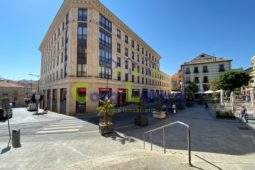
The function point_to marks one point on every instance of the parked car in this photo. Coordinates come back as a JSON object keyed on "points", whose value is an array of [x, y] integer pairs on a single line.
{"points": [[32, 107]]}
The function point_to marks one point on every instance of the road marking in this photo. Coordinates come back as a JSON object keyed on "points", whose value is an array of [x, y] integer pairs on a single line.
{"points": [[63, 127], [64, 124], [57, 131]]}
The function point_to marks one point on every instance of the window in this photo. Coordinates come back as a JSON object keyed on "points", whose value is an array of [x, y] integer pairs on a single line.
{"points": [[105, 72], [206, 79], [126, 39], [133, 67], [82, 32], [142, 80], [105, 23], [205, 69], [133, 78], [187, 80], [133, 55], [118, 48], [196, 80], [138, 69], [81, 70], [119, 76], [105, 39], [196, 70], [138, 79], [142, 60], [142, 50], [118, 34], [82, 15], [126, 77], [206, 87], [138, 58], [138, 47], [142, 70], [187, 71], [126, 52], [126, 64], [221, 68], [133, 43], [118, 62]]}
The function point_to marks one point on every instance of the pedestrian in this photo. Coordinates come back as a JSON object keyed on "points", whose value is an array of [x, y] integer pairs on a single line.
{"points": [[174, 109], [242, 113]]}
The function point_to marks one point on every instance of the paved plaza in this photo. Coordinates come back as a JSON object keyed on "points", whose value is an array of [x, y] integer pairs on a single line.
{"points": [[56, 141]]}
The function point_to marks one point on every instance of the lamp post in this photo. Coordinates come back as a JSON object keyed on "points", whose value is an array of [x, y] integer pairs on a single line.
{"points": [[37, 93]]}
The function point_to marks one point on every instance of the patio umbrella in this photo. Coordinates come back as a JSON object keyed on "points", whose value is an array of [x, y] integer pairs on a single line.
{"points": [[209, 92]]}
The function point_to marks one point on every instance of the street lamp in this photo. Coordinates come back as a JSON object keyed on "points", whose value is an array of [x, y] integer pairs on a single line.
{"points": [[37, 93]]}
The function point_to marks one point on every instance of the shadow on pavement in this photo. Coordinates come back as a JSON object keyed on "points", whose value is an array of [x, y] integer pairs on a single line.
{"points": [[7, 148]]}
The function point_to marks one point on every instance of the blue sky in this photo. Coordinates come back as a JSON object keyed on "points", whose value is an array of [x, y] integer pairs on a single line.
{"points": [[178, 30]]}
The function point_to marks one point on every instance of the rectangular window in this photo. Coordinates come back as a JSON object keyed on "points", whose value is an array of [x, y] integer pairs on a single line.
{"points": [[138, 47], [142, 50], [133, 55], [82, 15], [206, 79], [118, 62], [138, 58], [196, 80], [118, 34], [105, 23], [133, 78], [187, 71], [196, 70], [138, 79], [126, 39], [82, 32], [126, 52], [142, 80], [126, 77], [205, 69], [126, 64], [133, 67], [118, 48], [221, 68], [81, 70], [133, 43], [119, 76]]}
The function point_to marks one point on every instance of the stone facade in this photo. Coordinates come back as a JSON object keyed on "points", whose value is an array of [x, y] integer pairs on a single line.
{"points": [[203, 69], [87, 51]]}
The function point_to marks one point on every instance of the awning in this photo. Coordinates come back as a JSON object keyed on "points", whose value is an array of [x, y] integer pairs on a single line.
{"points": [[81, 90], [105, 90]]}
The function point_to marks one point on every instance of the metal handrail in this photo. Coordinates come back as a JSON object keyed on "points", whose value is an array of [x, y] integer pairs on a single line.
{"points": [[164, 138]]}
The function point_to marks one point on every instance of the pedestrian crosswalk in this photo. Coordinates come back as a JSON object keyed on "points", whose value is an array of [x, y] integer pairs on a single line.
{"points": [[62, 126]]}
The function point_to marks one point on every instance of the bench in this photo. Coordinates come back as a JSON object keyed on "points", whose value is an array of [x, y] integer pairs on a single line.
{"points": [[249, 117]]}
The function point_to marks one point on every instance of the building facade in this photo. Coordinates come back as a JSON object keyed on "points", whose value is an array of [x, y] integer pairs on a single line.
{"points": [[16, 93], [203, 69], [176, 81], [89, 53]]}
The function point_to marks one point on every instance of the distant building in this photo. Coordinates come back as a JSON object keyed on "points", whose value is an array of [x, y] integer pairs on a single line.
{"points": [[176, 81], [203, 69], [14, 92]]}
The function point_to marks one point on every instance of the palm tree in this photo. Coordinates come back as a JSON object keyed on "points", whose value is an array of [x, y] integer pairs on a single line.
{"points": [[106, 111]]}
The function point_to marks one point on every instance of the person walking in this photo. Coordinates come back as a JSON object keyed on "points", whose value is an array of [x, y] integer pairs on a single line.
{"points": [[242, 113]]}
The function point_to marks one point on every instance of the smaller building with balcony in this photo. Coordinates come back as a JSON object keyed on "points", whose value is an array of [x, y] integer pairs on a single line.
{"points": [[203, 69]]}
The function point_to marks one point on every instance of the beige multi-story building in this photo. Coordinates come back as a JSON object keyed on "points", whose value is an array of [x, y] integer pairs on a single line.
{"points": [[203, 69], [16, 93], [89, 53]]}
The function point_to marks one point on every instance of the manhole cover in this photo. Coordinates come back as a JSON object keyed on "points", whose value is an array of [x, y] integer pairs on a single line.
{"points": [[243, 128]]}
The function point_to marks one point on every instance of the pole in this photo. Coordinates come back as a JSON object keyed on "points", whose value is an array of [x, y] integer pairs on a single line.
{"points": [[189, 146]]}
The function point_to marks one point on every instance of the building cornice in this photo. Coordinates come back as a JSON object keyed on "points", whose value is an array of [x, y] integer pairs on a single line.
{"points": [[212, 62]]}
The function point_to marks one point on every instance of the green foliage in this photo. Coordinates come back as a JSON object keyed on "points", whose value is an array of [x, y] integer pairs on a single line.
{"points": [[191, 89], [214, 85], [106, 110], [233, 79]]}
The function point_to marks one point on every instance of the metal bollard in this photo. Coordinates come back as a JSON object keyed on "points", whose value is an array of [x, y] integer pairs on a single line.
{"points": [[16, 139]]}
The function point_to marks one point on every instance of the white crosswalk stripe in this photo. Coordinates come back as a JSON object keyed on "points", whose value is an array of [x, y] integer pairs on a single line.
{"points": [[63, 126]]}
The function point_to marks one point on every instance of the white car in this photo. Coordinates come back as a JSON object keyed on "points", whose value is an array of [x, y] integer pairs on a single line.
{"points": [[32, 107]]}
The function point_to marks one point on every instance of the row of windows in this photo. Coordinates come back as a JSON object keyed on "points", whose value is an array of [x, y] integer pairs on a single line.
{"points": [[105, 39], [105, 72], [105, 23], [196, 80], [204, 69], [137, 47]]}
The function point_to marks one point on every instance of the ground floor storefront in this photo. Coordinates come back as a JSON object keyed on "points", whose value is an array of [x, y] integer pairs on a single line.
{"points": [[76, 96]]}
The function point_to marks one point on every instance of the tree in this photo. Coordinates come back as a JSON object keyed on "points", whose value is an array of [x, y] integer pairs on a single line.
{"points": [[214, 85], [233, 79], [191, 89]]}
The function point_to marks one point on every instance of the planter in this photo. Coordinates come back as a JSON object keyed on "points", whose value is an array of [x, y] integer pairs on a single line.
{"points": [[159, 115], [105, 129], [141, 121], [225, 115]]}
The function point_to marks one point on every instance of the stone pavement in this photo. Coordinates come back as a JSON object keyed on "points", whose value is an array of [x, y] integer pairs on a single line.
{"points": [[216, 144]]}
